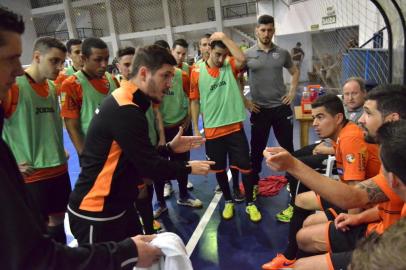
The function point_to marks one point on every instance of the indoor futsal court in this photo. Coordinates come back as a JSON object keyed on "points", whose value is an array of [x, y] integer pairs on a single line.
{"points": [[302, 100]]}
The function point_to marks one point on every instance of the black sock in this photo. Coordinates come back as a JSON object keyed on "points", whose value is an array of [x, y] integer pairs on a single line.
{"points": [[144, 207], [302, 254], [248, 187], [58, 233], [296, 223], [222, 180], [235, 173]]}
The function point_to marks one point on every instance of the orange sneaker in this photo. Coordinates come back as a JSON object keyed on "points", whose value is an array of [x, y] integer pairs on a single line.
{"points": [[279, 262]]}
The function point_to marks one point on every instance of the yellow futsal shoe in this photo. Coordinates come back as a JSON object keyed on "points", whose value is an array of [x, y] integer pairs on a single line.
{"points": [[253, 212], [228, 211]]}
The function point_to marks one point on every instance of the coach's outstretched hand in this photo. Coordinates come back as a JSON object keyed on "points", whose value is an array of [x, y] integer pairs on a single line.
{"points": [[200, 167], [181, 144]]}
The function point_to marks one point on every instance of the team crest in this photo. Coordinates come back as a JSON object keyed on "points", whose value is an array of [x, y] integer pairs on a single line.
{"points": [[350, 158], [276, 55]]}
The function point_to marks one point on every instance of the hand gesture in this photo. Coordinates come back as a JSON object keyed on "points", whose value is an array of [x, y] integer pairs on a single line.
{"points": [[201, 167], [147, 253], [181, 144], [278, 159], [343, 221]]}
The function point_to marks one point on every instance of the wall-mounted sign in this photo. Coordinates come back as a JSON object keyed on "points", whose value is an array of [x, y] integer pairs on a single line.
{"points": [[329, 20], [314, 27]]}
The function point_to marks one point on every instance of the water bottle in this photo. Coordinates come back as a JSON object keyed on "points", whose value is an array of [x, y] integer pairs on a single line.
{"points": [[306, 101]]}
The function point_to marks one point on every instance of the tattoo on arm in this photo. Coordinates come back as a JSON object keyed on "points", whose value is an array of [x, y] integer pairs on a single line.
{"points": [[375, 194]]}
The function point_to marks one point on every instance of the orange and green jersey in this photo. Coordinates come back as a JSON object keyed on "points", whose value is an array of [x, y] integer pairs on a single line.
{"points": [[83, 95], [227, 116], [33, 121]]}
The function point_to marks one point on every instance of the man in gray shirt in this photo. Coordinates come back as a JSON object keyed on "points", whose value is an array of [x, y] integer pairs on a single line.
{"points": [[270, 105]]}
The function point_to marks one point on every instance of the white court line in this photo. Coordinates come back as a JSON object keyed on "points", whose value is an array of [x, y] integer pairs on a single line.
{"points": [[194, 239]]}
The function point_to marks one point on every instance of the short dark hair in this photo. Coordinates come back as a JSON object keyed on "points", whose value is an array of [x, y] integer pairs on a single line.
{"points": [[207, 35], [359, 80], [390, 98], [72, 42], [217, 43], [90, 43], [43, 44], [332, 103], [125, 51], [180, 42], [10, 22], [162, 43], [298, 44], [392, 138], [153, 57], [265, 19]]}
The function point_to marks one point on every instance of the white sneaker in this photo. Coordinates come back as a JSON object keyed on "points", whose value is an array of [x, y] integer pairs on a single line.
{"points": [[189, 185], [168, 190], [191, 202]]}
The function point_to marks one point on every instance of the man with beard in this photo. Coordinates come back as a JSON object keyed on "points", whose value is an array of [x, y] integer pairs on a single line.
{"points": [[270, 104], [118, 153], [383, 104], [356, 161]]}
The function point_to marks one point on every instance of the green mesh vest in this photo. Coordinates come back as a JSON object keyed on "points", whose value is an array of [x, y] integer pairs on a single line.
{"points": [[221, 103], [185, 68], [69, 71], [175, 104], [152, 131], [91, 98], [34, 130]]}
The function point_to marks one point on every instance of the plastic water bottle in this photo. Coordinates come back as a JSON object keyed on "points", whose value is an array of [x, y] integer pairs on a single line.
{"points": [[306, 101]]}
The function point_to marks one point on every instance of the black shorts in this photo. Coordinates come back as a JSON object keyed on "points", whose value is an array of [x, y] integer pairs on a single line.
{"points": [[52, 194], [339, 241], [235, 146], [95, 230], [331, 210], [339, 261]]}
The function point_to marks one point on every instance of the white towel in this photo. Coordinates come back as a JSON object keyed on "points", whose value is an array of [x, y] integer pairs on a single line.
{"points": [[175, 256]]}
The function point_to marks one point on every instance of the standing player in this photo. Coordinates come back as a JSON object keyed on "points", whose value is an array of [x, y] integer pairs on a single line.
{"points": [[86, 89], [270, 104], [33, 130], [215, 92]]}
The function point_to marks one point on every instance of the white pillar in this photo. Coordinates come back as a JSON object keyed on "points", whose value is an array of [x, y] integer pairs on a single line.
{"points": [[167, 18], [219, 16], [67, 7], [115, 41]]}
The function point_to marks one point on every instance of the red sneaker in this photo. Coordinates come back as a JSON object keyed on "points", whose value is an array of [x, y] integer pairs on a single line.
{"points": [[279, 262]]}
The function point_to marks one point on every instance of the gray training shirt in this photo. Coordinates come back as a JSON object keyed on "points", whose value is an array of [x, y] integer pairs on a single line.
{"points": [[265, 73]]}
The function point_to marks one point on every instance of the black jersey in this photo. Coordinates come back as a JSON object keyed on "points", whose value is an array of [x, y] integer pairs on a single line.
{"points": [[117, 154]]}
